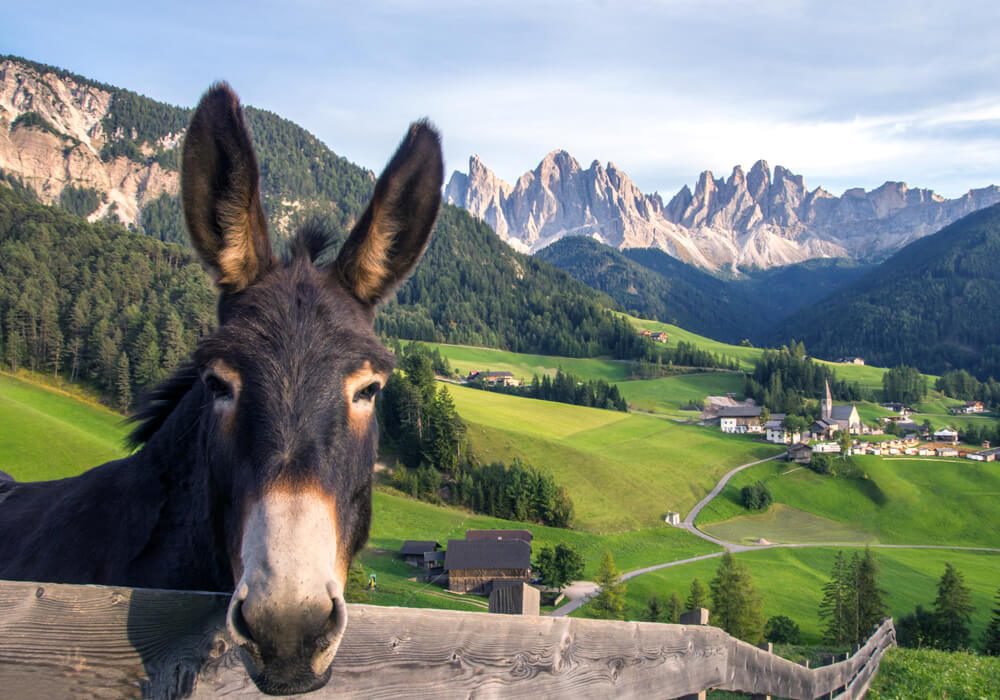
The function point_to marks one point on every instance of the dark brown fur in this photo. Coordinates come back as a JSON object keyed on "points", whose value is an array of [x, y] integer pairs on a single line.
{"points": [[171, 515]]}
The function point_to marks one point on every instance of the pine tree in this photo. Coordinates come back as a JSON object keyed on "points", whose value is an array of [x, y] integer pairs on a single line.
{"points": [[655, 609], [736, 605], [869, 598], [609, 604], [952, 611], [837, 609], [991, 639], [123, 383], [698, 597], [674, 608]]}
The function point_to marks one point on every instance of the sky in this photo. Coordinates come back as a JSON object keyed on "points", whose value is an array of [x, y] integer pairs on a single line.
{"points": [[848, 94]]}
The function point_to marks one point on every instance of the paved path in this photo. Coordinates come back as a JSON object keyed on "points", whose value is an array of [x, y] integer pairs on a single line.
{"points": [[583, 591]]}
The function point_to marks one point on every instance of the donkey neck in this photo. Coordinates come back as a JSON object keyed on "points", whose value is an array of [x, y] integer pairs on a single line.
{"points": [[186, 543]]}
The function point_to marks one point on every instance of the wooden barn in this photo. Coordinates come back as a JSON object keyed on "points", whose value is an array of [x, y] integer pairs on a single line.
{"points": [[413, 551], [474, 565]]}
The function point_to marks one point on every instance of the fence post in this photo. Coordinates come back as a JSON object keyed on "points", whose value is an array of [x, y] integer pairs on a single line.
{"points": [[769, 648], [698, 616]]}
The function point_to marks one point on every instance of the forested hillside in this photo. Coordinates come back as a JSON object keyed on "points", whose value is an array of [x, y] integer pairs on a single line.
{"points": [[95, 302], [933, 305], [674, 292], [650, 283]]}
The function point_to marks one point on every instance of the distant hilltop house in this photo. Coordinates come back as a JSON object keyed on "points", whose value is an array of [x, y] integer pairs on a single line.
{"points": [[834, 419], [969, 407], [776, 432], [486, 559], [852, 360], [740, 419], [493, 378], [902, 409], [657, 336]]}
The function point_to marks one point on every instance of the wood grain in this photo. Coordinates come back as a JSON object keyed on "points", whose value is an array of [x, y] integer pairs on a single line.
{"points": [[92, 641]]}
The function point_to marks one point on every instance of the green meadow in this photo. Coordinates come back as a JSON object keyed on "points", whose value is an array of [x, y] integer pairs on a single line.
{"points": [[623, 471], [466, 358], [672, 396], [48, 434], [790, 582], [902, 501]]}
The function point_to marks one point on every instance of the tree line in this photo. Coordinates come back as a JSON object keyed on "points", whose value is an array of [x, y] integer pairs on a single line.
{"points": [[420, 424], [563, 388]]}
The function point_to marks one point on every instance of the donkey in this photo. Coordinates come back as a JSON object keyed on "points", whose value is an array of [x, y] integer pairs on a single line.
{"points": [[255, 468]]}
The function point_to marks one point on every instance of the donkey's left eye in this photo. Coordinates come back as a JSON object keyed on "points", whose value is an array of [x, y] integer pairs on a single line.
{"points": [[368, 393]]}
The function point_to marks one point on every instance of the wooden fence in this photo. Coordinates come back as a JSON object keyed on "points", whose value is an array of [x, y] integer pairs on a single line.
{"points": [[59, 641]]}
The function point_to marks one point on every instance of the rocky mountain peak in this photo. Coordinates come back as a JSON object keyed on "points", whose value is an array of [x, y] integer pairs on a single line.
{"points": [[753, 218]]}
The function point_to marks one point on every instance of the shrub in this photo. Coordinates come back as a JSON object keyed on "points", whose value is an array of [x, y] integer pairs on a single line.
{"points": [[781, 629], [756, 496]]}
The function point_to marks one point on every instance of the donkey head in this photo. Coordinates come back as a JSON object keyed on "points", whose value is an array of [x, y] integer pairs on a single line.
{"points": [[289, 381]]}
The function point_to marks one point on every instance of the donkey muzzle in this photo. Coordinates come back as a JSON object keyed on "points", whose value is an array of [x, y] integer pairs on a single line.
{"points": [[288, 612]]}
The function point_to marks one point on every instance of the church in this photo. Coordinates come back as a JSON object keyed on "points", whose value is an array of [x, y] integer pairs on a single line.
{"points": [[836, 418]]}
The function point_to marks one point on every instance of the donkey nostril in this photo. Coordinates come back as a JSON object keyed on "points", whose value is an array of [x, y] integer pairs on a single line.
{"points": [[329, 641], [239, 630]]}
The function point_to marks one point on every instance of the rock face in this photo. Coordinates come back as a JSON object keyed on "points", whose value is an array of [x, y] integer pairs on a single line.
{"points": [[756, 219], [60, 146]]}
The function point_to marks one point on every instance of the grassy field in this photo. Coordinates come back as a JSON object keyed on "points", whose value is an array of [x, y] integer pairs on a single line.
{"points": [[623, 471], [466, 358], [48, 434], [397, 518], [669, 395], [790, 582], [926, 673], [865, 375], [904, 501]]}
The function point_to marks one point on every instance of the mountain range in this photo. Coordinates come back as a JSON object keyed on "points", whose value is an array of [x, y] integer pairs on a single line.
{"points": [[103, 152], [755, 219]]}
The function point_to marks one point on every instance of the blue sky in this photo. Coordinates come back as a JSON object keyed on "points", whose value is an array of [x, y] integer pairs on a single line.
{"points": [[847, 94]]}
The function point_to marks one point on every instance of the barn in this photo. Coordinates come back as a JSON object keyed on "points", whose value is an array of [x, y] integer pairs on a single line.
{"points": [[475, 565]]}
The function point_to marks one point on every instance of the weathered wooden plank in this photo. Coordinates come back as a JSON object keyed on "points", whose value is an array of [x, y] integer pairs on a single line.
{"points": [[107, 642], [93, 641]]}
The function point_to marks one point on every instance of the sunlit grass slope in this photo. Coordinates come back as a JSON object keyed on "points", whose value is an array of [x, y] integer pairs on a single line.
{"points": [[623, 471]]}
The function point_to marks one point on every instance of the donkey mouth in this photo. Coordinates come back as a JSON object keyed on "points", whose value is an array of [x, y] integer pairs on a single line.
{"points": [[286, 674]]}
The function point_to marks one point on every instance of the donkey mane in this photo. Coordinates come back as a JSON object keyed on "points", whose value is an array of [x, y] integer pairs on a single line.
{"points": [[312, 241]]}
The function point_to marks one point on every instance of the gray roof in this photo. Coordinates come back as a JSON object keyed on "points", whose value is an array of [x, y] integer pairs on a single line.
{"points": [[841, 412], [740, 412], [487, 554], [417, 547]]}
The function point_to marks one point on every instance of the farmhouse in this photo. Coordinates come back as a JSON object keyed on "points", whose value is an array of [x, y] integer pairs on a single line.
{"points": [[478, 565], [776, 432], [493, 378], [946, 452], [946, 435], [714, 404], [413, 551], [852, 360], [740, 419], [970, 407], [989, 455]]}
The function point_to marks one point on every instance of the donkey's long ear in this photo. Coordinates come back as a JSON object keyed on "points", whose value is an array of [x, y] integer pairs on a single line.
{"points": [[391, 235], [220, 186]]}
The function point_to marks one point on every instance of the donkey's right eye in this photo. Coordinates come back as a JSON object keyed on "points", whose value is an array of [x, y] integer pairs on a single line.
{"points": [[220, 390]]}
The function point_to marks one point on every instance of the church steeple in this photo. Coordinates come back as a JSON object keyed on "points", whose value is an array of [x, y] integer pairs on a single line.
{"points": [[828, 403]]}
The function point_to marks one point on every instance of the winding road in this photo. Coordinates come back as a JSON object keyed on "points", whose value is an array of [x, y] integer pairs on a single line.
{"points": [[580, 592]]}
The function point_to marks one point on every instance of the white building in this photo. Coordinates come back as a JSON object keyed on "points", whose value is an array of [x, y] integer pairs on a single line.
{"points": [[740, 420], [673, 518], [826, 447]]}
